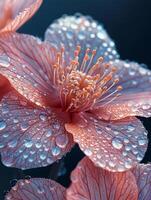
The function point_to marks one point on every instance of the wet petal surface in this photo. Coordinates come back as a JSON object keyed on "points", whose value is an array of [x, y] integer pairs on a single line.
{"points": [[70, 31], [93, 183], [15, 13], [135, 98], [31, 137], [142, 174], [36, 189], [112, 145], [26, 62]]}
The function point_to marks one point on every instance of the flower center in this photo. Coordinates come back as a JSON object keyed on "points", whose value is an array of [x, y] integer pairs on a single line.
{"points": [[83, 85]]}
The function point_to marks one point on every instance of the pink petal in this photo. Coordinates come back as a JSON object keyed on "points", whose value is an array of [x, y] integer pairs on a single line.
{"points": [[27, 62], [31, 137], [112, 145], [90, 182], [36, 189], [16, 12], [70, 31], [142, 174], [135, 99]]}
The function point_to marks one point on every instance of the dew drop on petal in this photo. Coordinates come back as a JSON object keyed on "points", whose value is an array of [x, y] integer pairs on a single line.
{"points": [[56, 151], [12, 144], [117, 143], [142, 142], [2, 125], [62, 141], [4, 61], [28, 143], [43, 117], [49, 133], [24, 126], [131, 128]]}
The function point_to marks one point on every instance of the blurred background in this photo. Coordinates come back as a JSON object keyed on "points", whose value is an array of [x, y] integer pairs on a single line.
{"points": [[128, 22]]}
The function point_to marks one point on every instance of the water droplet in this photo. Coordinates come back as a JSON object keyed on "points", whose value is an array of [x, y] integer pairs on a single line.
{"points": [[62, 141], [1, 146], [130, 128], [24, 126], [38, 145], [48, 133], [142, 142], [49, 161], [8, 162], [5, 135], [88, 152], [4, 61], [111, 164], [5, 110], [117, 143], [12, 144], [43, 117], [28, 143], [55, 151], [2, 125], [40, 190], [43, 156]]}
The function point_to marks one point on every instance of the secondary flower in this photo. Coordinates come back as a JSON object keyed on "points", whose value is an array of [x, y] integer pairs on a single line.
{"points": [[88, 182], [72, 87], [13, 14]]}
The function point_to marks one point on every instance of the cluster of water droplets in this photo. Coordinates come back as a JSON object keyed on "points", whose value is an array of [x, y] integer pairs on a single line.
{"points": [[84, 31], [117, 146], [30, 137]]}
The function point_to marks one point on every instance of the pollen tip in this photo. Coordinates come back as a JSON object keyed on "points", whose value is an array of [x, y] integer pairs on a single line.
{"points": [[119, 88]]}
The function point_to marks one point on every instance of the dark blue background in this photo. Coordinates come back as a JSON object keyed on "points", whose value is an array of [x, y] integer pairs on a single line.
{"points": [[127, 22]]}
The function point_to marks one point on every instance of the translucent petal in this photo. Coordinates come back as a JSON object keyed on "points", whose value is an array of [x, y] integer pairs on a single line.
{"points": [[142, 173], [90, 182], [70, 31], [36, 189], [31, 137], [26, 62], [135, 98], [14, 13], [112, 145]]}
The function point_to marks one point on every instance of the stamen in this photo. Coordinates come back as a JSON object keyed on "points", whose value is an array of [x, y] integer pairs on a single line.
{"points": [[84, 85]]}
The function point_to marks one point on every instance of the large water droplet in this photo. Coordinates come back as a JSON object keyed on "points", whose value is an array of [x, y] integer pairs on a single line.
{"points": [[117, 143], [56, 151], [4, 61], [62, 141], [28, 143], [2, 125]]}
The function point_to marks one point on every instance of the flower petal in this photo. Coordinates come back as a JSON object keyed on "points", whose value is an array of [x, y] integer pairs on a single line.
{"points": [[142, 173], [70, 31], [112, 145], [31, 137], [36, 188], [16, 13], [90, 182], [135, 98], [27, 62]]}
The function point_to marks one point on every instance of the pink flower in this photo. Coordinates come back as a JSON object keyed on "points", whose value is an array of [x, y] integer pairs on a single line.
{"points": [[64, 92], [89, 182], [13, 14]]}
